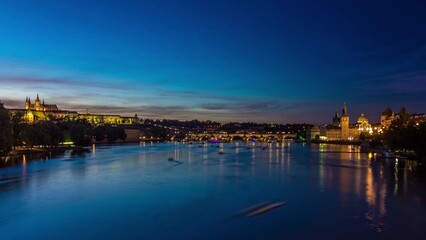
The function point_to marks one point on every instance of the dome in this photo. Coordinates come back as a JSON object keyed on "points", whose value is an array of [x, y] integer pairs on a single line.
{"points": [[362, 118]]}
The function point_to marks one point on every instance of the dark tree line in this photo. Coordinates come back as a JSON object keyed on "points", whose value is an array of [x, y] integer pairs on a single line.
{"points": [[405, 136], [6, 137], [48, 134], [109, 133]]}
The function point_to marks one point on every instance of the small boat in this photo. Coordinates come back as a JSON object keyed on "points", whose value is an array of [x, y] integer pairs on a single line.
{"points": [[387, 154]]}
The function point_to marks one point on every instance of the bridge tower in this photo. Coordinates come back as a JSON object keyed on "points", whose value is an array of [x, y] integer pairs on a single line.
{"points": [[344, 123]]}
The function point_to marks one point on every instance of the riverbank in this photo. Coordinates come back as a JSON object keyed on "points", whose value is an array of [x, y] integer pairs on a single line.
{"points": [[338, 142], [34, 150]]}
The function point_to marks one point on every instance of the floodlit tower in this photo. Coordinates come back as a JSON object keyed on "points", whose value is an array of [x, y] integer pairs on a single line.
{"points": [[344, 123], [37, 104], [27, 103]]}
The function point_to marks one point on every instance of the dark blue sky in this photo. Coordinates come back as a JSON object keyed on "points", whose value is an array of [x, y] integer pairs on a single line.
{"points": [[264, 61]]}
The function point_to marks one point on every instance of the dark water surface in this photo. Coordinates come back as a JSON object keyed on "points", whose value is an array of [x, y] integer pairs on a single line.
{"points": [[134, 192]]}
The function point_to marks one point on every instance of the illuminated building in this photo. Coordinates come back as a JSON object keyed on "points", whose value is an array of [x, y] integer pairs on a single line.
{"points": [[39, 106], [363, 125], [388, 116], [39, 111], [341, 129]]}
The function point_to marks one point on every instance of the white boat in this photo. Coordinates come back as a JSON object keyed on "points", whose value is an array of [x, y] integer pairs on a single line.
{"points": [[387, 154]]}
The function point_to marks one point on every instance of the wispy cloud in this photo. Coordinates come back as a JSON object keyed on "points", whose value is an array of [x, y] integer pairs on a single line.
{"points": [[57, 82], [81, 92], [402, 83]]}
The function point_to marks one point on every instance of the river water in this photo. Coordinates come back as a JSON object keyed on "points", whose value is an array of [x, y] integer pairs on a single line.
{"points": [[135, 192]]}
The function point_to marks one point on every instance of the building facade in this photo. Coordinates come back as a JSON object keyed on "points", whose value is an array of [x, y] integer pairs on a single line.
{"points": [[389, 115], [341, 129], [39, 111]]}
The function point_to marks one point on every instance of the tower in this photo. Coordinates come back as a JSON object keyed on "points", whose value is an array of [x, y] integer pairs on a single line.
{"points": [[37, 104], [336, 119], [27, 103], [344, 123], [136, 119]]}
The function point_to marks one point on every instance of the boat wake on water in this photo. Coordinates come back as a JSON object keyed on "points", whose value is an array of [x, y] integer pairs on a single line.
{"points": [[260, 209]]}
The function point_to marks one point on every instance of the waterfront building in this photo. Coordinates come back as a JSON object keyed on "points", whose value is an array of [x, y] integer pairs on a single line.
{"points": [[340, 129], [418, 118], [388, 116], [313, 133], [39, 111], [363, 125]]}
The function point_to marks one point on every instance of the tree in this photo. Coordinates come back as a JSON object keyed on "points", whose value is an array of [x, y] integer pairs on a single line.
{"points": [[115, 133], [49, 133], [400, 134], [6, 137], [80, 134], [17, 125], [419, 145], [99, 133], [27, 136], [362, 136]]}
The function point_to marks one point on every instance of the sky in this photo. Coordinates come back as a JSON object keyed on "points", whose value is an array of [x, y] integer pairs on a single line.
{"points": [[257, 61]]}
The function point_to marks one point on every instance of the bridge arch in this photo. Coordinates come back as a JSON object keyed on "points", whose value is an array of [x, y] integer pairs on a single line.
{"points": [[237, 138], [271, 137], [289, 137]]}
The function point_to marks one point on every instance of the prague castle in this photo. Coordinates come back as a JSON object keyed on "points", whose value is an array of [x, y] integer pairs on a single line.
{"points": [[39, 106], [39, 111]]}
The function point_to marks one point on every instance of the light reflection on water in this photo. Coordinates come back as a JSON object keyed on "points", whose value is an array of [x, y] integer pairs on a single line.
{"points": [[132, 191]]}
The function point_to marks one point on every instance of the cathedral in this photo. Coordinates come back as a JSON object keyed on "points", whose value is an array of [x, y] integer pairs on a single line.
{"points": [[39, 106], [39, 111]]}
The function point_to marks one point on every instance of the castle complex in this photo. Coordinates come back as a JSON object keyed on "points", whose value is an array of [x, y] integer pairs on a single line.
{"points": [[39, 106], [39, 111]]}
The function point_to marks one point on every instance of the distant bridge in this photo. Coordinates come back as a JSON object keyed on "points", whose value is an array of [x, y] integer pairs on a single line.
{"points": [[263, 137]]}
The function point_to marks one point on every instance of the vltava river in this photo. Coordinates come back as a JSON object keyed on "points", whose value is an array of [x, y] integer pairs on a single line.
{"points": [[135, 192]]}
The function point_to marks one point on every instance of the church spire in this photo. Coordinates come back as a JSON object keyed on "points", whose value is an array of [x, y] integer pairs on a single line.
{"points": [[37, 99], [345, 110]]}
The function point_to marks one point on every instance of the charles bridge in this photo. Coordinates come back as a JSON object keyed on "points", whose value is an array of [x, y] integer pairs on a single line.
{"points": [[263, 137]]}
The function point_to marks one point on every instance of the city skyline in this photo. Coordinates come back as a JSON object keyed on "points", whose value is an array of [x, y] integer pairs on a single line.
{"points": [[225, 61], [47, 108]]}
